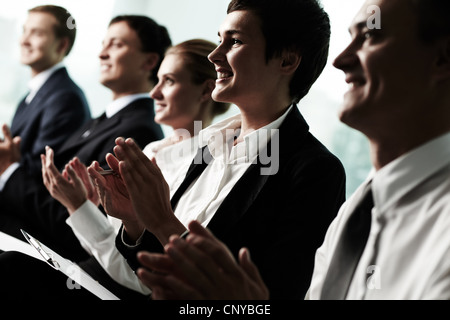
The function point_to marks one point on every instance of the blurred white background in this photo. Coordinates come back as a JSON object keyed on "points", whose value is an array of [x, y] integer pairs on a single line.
{"points": [[185, 19]]}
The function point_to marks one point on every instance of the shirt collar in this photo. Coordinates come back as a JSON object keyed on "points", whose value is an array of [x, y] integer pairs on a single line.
{"points": [[40, 79], [220, 138], [402, 175], [114, 107]]}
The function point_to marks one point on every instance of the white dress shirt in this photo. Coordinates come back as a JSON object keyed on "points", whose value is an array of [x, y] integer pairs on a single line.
{"points": [[407, 256], [173, 158], [202, 199]]}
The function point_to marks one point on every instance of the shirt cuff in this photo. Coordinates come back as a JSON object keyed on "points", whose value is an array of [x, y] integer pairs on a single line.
{"points": [[7, 174], [126, 240], [90, 223]]}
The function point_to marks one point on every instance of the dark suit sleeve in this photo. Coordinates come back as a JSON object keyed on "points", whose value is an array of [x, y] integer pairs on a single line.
{"points": [[64, 113], [148, 243], [26, 204], [304, 208]]}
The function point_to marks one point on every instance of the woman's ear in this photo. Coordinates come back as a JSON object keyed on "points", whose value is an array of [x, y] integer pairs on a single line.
{"points": [[208, 87], [290, 62]]}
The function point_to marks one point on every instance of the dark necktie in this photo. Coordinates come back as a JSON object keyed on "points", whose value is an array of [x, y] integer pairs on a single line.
{"points": [[199, 164], [94, 123], [349, 249]]}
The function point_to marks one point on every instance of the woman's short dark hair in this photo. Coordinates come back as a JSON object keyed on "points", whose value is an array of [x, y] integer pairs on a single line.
{"points": [[66, 26], [293, 25], [154, 37]]}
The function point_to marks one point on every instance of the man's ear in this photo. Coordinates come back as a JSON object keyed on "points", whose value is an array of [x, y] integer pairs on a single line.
{"points": [[442, 65], [63, 46], [290, 62], [151, 61]]}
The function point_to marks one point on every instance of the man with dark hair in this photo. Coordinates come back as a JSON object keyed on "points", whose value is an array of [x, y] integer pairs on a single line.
{"points": [[55, 107], [271, 205], [126, 69], [154, 37], [399, 97]]}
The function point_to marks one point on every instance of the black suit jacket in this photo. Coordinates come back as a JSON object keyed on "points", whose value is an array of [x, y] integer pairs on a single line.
{"points": [[281, 218], [97, 138], [25, 202], [58, 109]]}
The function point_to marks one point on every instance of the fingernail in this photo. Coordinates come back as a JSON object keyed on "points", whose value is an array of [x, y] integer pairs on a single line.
{"points": [[246, 254]]}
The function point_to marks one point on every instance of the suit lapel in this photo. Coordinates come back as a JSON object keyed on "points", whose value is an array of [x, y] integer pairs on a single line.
{"points": [[48, 88], [91, 131], [20, 118], [247, 189], [103, 127], [198, 165], [27, 111], [239, 200]]}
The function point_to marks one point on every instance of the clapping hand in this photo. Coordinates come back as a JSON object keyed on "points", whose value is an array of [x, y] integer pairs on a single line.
{"points": [[72, 187], [112, 191], [148, 191], [9, 149], [201, 267]]}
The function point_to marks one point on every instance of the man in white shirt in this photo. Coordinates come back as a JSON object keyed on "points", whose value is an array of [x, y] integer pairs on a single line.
{"points": [[55, 106], [399, 97]]}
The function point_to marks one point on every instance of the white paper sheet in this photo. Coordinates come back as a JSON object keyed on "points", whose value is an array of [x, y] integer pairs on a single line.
{"points": [[70, 269]]}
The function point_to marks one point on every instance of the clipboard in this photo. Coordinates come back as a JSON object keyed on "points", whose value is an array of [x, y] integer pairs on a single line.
{"points": [[70, 269]]}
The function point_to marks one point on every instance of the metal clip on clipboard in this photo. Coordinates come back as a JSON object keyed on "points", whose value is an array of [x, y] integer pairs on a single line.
{"points": [[37, 245]]}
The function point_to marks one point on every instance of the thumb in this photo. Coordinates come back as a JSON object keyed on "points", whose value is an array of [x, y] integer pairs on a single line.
{"points": [[6, 132], [248, 266], [17, 140]]}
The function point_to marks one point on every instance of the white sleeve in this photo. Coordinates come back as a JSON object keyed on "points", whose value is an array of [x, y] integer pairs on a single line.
{"points": [[97, 234], [324, 255], [7, 174]]}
